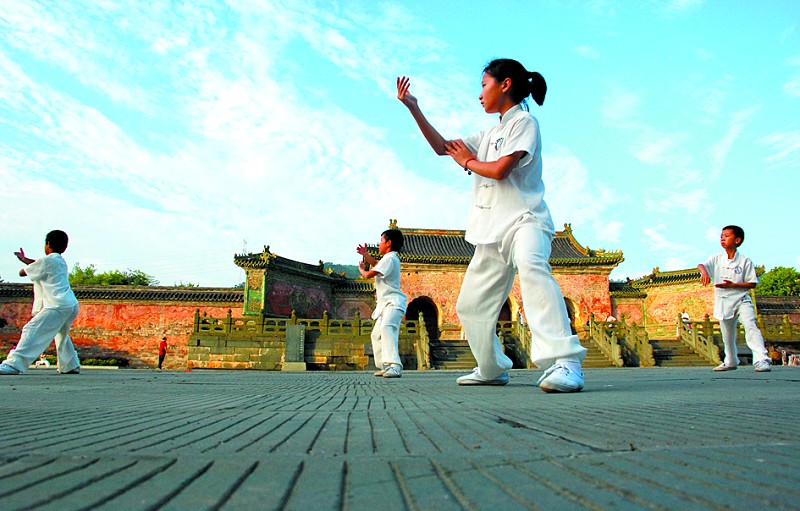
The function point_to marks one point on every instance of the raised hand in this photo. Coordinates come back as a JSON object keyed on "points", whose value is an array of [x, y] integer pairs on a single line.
{"points": [[403, 84], [20, 255], [362, 249]]}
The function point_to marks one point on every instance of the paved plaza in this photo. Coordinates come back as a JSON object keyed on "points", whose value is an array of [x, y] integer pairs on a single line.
{"points": [[661, 438]]}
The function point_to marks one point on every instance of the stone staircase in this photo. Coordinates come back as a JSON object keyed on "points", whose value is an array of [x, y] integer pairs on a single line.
{"points": [[452, 354], [455, 354], [674, 353], [594, 357]]}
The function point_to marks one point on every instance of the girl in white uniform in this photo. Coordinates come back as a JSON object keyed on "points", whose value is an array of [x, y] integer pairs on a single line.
{"points": [[510, 226]]}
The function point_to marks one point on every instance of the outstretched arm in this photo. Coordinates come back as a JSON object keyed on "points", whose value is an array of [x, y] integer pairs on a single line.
{"points": [[433, 137]]}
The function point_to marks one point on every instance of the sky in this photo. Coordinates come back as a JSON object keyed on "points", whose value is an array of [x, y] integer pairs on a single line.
{"points": [[167, 136]]}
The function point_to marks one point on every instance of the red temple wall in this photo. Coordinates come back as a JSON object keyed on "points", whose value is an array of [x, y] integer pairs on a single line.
{"points": [[119, 329]]}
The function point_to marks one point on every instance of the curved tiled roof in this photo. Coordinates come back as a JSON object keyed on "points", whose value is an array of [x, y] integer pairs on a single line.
{"points": [[137, 293], [659, 278], [441, 246], [266, 259], [357, 286], [624, 289], [666, 278], [778, 304]]}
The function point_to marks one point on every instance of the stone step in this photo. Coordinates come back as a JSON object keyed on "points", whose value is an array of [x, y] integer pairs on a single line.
{"points": [[674, 353], [452, 354]]}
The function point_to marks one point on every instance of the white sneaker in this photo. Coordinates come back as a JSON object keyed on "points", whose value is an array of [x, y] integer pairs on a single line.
{"points": [[724, 367], [392, 372], [560, 378], [379, 373], [762, 366], [7, 369], [474, 378]]}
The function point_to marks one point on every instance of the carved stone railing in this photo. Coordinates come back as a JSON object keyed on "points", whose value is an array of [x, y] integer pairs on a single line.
{"points": [[525, 341], [779, 331], [604, 335], [635, 343], [423, 346], [703, 337], [337, 337], [277, 326]]}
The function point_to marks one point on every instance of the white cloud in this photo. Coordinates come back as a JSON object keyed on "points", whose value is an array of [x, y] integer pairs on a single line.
{"points": [[792, 88], [620, 108], [785, 145], [589, 52], [657, 241], [610, 232], [682, 5], [695, 203], [720, 150], [261, 161], [655, 151], [569, 192]]}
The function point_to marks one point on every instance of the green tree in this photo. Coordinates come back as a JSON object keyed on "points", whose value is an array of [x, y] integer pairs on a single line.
{"points": [[779, 281], [90, 277], [349, 270]]}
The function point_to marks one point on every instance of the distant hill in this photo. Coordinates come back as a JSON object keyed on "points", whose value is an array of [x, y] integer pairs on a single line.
{"points": [[350, 270]]}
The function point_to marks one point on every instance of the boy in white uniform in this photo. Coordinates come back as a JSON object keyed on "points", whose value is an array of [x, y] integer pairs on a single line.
{"points": [[391, 306], [54, 309], [733, 276]]}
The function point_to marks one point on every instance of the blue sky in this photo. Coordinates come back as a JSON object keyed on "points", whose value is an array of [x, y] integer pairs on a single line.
{"points": [[167, 136]]}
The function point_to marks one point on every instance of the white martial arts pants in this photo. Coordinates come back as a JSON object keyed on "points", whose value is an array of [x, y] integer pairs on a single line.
{"points": [[746, 315], [386, 338], [525, 249], [37, 335]]}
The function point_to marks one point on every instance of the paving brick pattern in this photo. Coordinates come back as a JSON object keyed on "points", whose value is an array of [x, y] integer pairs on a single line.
{"points": [[661, 438]]}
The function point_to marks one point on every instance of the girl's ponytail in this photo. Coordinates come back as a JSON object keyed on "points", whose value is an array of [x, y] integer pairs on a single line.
{"points": [[523, 83], [538, 87]]}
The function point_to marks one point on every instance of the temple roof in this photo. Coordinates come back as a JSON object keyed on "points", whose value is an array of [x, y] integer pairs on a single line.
{"points": [[624, 289], [659, 278], [441, 246], [267, 259], [778, 304], [136, 293], [666, 278]]}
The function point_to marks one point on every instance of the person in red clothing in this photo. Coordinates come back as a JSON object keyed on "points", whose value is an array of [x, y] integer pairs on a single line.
{"points": [[162, 351]]}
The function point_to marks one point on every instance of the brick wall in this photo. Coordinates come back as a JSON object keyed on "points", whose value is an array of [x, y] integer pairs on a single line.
{"points": [[120, 328]]}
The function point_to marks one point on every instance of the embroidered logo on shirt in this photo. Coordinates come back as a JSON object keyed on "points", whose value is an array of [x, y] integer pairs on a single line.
{"points": [[498, 143]]}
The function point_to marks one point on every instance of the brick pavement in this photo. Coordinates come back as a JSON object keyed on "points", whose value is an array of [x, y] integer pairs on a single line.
{"points": [[662, 438]]}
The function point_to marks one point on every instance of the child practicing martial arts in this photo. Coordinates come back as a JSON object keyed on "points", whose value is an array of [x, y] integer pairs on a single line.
{"points": [[511, 228], [391, 302], [734, 276], [54, 309]]}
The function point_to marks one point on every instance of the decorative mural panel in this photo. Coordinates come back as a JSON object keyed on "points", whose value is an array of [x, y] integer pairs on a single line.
{"points": [[285, 297], [254, 292]]}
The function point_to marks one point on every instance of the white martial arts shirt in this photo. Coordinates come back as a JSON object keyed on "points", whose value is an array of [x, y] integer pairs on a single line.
{"points": [[737, 270], [497, 205], [387, 284], [50, 278]]}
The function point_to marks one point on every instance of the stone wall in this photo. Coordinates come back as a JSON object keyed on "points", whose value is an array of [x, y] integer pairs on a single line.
{"points": [[584, 292], [664, 303], [122, 325], [441, 287]]}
